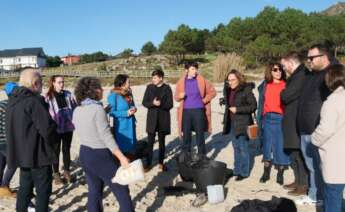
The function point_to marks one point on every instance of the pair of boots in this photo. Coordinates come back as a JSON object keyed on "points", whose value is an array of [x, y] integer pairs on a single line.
{"points": [[267, 172], [66, 176]]}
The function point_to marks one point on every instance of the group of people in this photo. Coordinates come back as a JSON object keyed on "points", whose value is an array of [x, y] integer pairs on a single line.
{"points": [[299, 113]]}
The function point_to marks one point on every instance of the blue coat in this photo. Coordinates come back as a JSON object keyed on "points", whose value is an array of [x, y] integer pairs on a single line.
{"points": [[124, 125]]}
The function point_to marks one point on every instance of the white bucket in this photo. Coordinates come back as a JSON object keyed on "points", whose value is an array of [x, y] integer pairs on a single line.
{"points": [[215, 194], [131, 174]]}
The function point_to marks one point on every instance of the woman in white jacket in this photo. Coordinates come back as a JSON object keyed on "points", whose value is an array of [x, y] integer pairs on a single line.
{"points": [[329, 137]]}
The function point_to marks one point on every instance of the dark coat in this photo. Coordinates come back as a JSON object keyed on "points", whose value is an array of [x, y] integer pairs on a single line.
{"points": [[290, 97], [313, 94], [30, 130], [159, 114], [245, 103]]}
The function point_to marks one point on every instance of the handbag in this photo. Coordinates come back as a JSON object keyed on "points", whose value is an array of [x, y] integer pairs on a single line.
{"points": [[252, 130]]}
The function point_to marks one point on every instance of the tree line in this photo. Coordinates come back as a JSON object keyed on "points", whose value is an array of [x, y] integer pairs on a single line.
{"points": [[258, 39], [262, 38]]}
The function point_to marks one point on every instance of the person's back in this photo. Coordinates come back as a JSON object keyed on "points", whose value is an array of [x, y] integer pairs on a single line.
{"points": [[30, 133], [29, 130]]}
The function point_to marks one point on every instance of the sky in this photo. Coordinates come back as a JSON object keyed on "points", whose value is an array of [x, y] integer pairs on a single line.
{"points": [[64, 27]]}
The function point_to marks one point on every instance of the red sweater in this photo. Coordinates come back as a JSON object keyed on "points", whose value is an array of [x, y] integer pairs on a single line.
{"points": [[272, 102]]}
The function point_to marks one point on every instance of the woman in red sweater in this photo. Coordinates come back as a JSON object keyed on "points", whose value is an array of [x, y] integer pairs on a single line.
{"points": [[270, 115]]}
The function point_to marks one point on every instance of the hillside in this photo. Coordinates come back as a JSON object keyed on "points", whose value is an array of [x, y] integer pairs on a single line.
{"points": [[337, 9]]}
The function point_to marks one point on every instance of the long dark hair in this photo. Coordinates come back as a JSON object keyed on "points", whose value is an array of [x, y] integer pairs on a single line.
{"points": [[268, 72], [51, 89]]}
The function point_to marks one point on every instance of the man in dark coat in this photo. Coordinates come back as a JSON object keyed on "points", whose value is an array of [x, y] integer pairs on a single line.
{"points": [[158, 100], [290, 97], [313, 94], [30, 132]]}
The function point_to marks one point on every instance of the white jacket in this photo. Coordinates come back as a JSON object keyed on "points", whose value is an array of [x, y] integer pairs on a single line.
{"points": [[329, 136]]}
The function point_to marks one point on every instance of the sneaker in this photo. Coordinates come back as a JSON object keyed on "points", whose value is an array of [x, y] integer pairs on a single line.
{"points": [[306, 200], [57, 179], [5, 192], [200, 200], [31, 207]]}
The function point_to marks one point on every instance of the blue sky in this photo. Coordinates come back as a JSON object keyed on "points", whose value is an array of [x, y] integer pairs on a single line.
{"points": [[85, 26]]}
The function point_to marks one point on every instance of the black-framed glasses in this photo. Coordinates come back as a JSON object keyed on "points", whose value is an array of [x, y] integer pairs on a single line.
{"points": [[311, 58], [276, 70]]}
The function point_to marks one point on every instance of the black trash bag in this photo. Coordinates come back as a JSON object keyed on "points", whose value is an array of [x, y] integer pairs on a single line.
{"points": [[274, 205], [185, 162], [209, 172], [202, 170]]}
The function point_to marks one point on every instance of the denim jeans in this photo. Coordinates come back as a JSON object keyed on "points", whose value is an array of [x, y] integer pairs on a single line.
{"points": [[273, 143], [241, 154], [333, 197], [312, 160]]}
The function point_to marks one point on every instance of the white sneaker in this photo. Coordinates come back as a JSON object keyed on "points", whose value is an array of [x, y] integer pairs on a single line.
{"points": [[306, 200], [31, 209]]}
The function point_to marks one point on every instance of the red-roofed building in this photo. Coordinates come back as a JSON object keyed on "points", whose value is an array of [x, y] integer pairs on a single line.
{"points": [[70, 59]]}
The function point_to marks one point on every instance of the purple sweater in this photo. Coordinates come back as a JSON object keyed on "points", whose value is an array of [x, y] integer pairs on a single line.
{"points": [[193, 98]]}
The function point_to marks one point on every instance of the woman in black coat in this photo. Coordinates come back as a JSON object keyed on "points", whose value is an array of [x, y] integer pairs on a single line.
{"points": [[158, 100], [240, 104]]}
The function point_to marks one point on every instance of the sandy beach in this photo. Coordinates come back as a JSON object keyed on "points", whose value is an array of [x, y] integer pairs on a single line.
{"points": [[148, 195]]}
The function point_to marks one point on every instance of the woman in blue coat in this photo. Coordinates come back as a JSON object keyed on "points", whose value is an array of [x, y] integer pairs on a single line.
{"points": [[122, 110]]}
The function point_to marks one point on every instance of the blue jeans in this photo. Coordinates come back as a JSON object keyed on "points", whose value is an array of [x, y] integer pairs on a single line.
{"points": [[241, 154], [312, 160], [333, 196], [273, 142], [100, 166]]}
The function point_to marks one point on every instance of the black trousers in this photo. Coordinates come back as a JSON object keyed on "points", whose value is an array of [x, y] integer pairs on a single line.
{"points": [[298, 167], [194, 120], [66, 140], [151, 141], [6, 175], [41, 179]]}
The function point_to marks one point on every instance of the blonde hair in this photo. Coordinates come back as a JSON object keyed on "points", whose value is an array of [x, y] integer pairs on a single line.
{"points": [[28, 77]]}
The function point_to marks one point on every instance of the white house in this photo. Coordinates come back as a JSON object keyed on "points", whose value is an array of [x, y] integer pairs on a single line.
{"points": [[12, 59]]}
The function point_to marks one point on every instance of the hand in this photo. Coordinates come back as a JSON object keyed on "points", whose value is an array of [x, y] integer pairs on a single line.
{"points": [[204, 101], [233, 109], [124, 162], [131, 111], [156, 102], [182, 95]]}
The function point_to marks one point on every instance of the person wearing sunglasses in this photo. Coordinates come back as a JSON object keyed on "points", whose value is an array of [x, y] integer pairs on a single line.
{"points": [[270, 113], [314, 93]]}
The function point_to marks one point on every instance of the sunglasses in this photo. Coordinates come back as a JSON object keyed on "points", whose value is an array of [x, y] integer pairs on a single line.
{"points": [[311, 58], [276, 70]]}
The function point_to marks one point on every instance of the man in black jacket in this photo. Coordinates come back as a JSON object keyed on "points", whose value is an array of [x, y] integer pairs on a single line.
{"points": [[290, 97], [158, 100], [30, 132], [314, 93]]}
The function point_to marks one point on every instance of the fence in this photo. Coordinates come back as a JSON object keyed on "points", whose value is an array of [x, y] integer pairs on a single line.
{"points": [[99, 74]]}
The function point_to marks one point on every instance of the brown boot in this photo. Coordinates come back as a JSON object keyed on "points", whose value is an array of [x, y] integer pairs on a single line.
{"points": [[57, 179], [162, 167], [299, 191], [5, 192], [67, 176], [291, 186]]}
